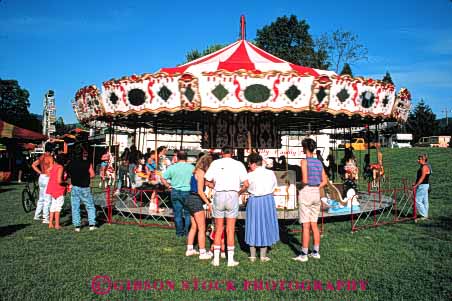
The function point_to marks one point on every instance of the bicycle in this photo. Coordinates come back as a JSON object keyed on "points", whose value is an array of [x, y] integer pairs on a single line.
{"points": [[30, 193]]}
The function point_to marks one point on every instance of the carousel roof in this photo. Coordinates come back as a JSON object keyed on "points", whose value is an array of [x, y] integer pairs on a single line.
{"points": [[241, 55], [244, 80]]}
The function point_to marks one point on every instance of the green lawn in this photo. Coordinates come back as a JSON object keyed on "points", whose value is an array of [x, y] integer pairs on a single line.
{"points": [[405, 261]]}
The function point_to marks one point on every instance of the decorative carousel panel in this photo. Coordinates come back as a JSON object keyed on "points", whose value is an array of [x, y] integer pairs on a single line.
{"points": [[240, 131], [320, 96], [141, 94], [402, 105], [189, 92], [88, 103], [271, 91], [355, 96]]}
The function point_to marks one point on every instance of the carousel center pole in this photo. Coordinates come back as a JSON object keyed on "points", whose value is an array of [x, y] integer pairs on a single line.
{"points": [[242, 28]]}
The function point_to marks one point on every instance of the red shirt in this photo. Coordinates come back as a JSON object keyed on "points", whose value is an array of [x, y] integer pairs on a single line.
{"points": [[54, 188]]}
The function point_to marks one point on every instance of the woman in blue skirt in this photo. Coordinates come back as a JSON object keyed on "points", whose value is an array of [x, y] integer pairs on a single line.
{"points": [[261, 229]]}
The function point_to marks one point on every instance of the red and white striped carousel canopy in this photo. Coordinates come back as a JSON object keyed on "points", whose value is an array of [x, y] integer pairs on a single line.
{"points": [[242, 55], [242, 78]]}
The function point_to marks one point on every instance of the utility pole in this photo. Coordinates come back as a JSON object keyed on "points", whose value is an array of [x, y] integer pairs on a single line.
{"points": [[445, 110]]}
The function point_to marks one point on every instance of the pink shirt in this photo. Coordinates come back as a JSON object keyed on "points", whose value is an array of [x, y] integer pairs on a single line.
{"points": [[54, 188]]}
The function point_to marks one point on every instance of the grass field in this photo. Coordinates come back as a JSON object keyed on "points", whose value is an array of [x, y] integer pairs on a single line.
{"points": [[405, 261]]}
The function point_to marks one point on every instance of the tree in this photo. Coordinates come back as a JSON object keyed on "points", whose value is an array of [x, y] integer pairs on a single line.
{"points": [[421, 121], [14, 105], [387, 78], [60, 128], [195, 54], [289, 39], [347, 70], [343, 47]]}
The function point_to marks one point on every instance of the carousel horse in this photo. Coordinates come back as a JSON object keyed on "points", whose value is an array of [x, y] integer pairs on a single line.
{"points": [[377, 169], [333, 200]]}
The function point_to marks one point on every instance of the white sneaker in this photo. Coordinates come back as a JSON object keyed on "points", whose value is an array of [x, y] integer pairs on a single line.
{"points": [[314, 255], [215, 263], [205, 256], [37, 218], [233, 263], [265, 259], [46, 221], [100, 185], [252, 259], [223, 255], [77, 229], [91, 228], [191, 252], [302, 258]]}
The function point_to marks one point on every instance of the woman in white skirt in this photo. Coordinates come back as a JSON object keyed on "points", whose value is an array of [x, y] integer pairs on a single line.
{"points": [[261, 227]]}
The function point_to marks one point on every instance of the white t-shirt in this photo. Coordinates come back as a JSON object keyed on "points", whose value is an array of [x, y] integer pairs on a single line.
{"points": [[262, 181], [227, 174]]}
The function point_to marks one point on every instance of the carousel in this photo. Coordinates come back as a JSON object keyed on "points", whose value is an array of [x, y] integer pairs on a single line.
{"points": [[244, 97]]}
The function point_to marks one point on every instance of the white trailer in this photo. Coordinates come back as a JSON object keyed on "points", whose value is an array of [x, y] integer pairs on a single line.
{"points": [[400, 140]]}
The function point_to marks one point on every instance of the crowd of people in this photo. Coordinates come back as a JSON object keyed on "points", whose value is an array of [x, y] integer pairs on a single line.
{"points": [[225, 177], [229, 178], [58, 175]]}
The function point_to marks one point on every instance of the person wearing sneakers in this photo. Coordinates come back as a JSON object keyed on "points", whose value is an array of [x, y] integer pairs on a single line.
{"points": [[229, 179], [179, 175], [56, 189], [43, 166], [80, 171], [195, 204], [261, 227], [313, 178]]}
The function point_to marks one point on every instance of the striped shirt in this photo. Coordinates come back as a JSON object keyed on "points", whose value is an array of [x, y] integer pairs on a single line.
{"points": [[315, 168]]}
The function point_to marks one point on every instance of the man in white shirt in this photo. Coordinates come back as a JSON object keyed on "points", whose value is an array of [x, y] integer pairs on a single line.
{"points": [[229, 179]]}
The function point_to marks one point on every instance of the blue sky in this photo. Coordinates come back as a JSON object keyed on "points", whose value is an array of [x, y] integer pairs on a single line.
{"points": [[64, 45]]}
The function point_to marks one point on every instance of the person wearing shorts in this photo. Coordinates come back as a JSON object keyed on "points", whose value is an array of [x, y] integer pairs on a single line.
{"points": [[313, 178], [195, 204], [229, 179], [56, 188]]}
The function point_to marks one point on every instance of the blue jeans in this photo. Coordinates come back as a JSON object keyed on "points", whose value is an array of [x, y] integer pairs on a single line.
{"points": [[422, 200], [178, 198], [82, 194], [123, 173], [132, 173]]}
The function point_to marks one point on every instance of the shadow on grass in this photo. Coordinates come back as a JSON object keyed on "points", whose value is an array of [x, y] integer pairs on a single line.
{"points": [[289, 238], [11, 229], [284, 236], [10, 184], [6, 190], [66, 217], [441, 222]]}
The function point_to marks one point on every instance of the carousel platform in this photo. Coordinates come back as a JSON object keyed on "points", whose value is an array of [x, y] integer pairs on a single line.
{"points": [[128, 205]]}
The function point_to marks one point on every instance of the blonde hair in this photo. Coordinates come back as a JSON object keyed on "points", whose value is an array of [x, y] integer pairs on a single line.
{"points": [[204, 162]]}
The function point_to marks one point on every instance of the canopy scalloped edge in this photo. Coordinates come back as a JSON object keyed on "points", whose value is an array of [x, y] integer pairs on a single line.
{"points": [[241, 91]]}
